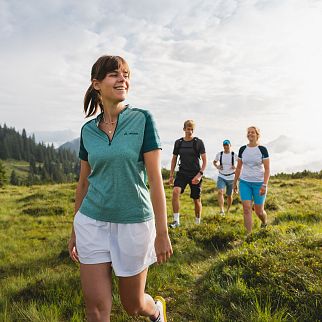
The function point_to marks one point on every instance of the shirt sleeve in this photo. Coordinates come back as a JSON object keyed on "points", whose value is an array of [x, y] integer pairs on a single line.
{"points": [[83, 154], [217, 157], [264, 152], [240, 152], [151, 140], [201, 149], [176, 147]]}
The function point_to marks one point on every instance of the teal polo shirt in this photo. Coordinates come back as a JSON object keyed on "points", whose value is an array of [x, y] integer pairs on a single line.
{"points": [[117, 189]]}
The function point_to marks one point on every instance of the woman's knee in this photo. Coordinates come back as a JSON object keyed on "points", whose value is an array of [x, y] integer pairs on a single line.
{"points": [[97, 313], [247, 209], [176, 192]]}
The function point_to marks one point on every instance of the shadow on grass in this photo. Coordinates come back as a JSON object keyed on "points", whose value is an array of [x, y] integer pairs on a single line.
{"points": [[31, 267]]}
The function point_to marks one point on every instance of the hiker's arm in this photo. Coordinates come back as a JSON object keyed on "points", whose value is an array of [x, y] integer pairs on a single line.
{"points": [[237, 174], [173, 166], [199, 175], [266, 164]]}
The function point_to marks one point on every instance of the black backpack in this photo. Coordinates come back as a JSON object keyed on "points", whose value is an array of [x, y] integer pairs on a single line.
{"points": [[194, 146], [232, 158]]}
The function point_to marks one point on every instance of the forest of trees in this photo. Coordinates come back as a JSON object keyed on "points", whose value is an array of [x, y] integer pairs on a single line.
{"points": [[46, 164]]}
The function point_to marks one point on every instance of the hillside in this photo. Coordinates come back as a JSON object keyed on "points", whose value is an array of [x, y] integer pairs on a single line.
{"points": [[215, 274], [28, 162]]}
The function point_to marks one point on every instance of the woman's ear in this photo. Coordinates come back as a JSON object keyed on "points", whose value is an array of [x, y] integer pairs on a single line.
{"points": [[96, 84]]}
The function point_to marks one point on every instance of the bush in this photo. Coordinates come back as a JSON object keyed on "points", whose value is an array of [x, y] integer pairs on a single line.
{"points": [[44, 211]]}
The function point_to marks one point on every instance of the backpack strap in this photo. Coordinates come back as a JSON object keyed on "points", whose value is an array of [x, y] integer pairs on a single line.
{"points": [[194, 146], [232, 158], [220, 159], [179, 144]]}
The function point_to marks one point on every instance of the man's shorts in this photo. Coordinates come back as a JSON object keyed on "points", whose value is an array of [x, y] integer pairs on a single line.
{"points": [[182, 181], [129, 247], [223, 183], [250, 191]]}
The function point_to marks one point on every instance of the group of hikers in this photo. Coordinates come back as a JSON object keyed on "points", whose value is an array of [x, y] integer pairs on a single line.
{"points": [[121, 225], [250, 167]]}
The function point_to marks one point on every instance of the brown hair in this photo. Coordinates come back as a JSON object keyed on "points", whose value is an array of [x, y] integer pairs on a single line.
{"points": [[103, 65], [189, 123]]}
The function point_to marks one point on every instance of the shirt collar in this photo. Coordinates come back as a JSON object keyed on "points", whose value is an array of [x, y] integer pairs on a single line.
{"points": [[100, 116]]}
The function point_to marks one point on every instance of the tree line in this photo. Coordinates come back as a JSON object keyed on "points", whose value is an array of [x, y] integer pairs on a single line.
{"points": [[46, 164]]}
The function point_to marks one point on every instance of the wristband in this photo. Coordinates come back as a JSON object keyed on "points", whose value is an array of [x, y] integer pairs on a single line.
{"points": [[264, 185]]}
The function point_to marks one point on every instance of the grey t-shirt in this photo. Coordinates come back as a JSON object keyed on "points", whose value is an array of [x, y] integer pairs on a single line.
{"points": [[189, 156]]}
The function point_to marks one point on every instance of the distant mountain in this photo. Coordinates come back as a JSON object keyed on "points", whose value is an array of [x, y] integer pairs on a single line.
{"points": [[55, 137], [71, 145], [281, 144]]}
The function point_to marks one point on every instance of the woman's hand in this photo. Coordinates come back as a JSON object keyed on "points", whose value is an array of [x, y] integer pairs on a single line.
{"points": [[262, 190], [163, 248], [72, 249]]}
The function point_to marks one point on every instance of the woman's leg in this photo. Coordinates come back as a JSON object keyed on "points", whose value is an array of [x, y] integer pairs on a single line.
{"points": [[96, 282], [246, 197], [259, 201], [261, 213], [248, 220], [134, 300]]}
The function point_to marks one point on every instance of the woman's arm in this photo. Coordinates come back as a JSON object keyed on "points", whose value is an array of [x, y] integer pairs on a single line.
{"points": [[162, 243], [81, 191], [266, 164], [237, 174]]}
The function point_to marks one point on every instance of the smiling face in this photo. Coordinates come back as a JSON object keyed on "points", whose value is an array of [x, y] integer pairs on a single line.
{"points": [[226, 148], [188, 130], [114, 87], [252, 134]]}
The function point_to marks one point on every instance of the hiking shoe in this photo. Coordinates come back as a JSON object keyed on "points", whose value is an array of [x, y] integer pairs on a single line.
{"points": [[161, 305], [222, 213], [174, 224], [263, 226]]}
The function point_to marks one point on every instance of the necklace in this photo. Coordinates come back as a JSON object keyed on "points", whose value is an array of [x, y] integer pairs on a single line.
{"points": [[112, 122], [107, 123]]}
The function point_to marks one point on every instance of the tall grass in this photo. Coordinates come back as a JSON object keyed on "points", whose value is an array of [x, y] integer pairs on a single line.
{"points": [[215, 274]]}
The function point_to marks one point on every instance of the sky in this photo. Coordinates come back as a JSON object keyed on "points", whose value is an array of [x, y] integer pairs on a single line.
{"points": [[226, 64]]}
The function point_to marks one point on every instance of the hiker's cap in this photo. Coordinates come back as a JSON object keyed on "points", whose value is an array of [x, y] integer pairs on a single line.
{"points": [[226, 142]]}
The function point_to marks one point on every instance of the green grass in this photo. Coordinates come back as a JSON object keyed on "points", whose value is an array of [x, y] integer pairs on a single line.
{"points": [[215, 274], [21, 168]]}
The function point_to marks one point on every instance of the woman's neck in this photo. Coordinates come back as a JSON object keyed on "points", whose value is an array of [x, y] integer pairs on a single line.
{"points": [[252, 144], [111, 111]]}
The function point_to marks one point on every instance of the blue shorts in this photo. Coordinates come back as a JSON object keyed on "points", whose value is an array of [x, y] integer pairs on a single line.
{"points": [[250, 191], [223, 183]]}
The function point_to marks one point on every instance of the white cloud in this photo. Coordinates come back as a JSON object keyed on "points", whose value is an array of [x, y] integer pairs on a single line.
{"points": [[226, 63]]}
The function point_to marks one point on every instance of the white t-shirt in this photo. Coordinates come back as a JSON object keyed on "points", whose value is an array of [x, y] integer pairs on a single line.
{"points": [[227, 166], [253, 169]]}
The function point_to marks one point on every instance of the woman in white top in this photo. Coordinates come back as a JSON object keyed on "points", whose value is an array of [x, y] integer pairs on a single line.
{"points": [[253, 171]]}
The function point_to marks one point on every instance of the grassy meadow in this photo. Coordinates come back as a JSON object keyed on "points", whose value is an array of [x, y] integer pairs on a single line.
{"points": [[215, 274]]}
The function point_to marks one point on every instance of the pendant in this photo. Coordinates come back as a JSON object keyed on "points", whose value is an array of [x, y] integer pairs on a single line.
{"points": [[109, 132]]}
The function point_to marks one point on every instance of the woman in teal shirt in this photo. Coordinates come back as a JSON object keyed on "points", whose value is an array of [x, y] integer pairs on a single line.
{"points": [[117, 222]]}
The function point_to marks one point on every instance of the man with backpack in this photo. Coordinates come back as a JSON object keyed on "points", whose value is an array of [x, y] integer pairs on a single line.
{"points": [[225, 163], [190, 149]]}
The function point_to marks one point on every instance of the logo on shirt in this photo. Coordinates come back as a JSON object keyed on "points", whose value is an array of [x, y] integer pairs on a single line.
{"points": [[131, 133]]}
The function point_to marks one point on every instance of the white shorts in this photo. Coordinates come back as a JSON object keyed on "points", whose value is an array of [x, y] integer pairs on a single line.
{"points": [[129, 247]]}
